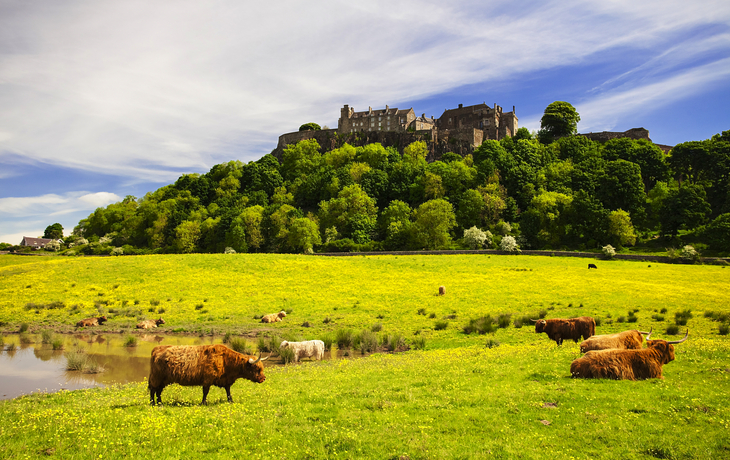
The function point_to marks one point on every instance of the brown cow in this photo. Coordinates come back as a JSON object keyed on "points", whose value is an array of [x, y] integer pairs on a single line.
{"points": [[150, 323], [566, 329], [91, 322], [626, 364], [202, 365], [442, 290], [626, 340], [274, 317]]}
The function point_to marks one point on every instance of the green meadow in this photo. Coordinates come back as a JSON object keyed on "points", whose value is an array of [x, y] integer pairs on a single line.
{"points": [[505, 394]]}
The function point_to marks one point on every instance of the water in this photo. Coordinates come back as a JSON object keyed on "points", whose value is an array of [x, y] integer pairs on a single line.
{"points": [[35, 367]]}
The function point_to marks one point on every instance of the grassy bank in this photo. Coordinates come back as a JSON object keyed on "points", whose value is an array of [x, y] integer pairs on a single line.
{"points": [[457, 399]]}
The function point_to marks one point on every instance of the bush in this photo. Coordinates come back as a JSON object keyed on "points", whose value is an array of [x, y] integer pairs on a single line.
{"points": [[57, 343], [25, 339], [504, 320], [394, 342], [421, 311], [287, 355], [343, 338], [241, 346], [482, 325], [681, 317], [154, 302], [724, 329], [418, 343], [328, 340], [503, 228], [75, 360], [441, 325], [663, 310], [476, 238], [621, 319], [24, 327], [46, 336], [377, 327], [130, 341], [491, 343], [509, 244], [657, 317], [598, 321], [368, 341], [672, 329], [689, 253], [518, 322], [608, 251]]}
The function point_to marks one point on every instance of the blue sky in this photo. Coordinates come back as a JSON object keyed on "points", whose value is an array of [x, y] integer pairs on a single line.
{"points": [[102, 99]]}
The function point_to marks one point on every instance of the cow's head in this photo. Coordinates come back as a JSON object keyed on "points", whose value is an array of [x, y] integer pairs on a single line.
{"points": [[284, 344], [254, 369], [101, 319], [665, 348], [540, 325], [282, 313], [160, 321]]}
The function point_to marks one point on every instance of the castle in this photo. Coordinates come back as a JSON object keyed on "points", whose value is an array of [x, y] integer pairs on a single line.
{"points": [[472, 124]]}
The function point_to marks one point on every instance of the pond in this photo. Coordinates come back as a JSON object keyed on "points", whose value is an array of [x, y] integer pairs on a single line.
{"points": [[29, 367]]}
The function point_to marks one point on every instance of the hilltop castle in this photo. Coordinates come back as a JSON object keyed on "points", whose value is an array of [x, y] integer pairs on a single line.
{"points": [[472, 124]]}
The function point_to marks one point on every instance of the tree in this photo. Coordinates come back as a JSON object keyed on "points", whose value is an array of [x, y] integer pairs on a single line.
{"points": [[718, 232], [559, 119], [620, 229], [186, 236], [54, 232], [310, 127], [684, 209], [353, 213], [620, 187], [434, 220], [415, 152], [303, 234], [475, 238]]}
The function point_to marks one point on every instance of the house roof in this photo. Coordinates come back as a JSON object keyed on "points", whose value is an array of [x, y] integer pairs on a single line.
{"points": [[35, 242]]}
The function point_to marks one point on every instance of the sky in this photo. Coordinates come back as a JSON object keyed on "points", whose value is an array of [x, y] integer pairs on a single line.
{"points": [[100, 99]]}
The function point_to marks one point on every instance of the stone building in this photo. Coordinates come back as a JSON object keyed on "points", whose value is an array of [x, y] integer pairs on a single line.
{"points": [[388, 119], [472, 124]]}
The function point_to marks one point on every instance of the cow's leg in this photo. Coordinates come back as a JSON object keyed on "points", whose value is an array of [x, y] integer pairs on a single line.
{"points": [[559, 340], [152, 395], [228, 393], [206, 389]]}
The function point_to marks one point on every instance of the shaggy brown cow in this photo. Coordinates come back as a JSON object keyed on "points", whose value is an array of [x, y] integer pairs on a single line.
{"points": [[442, 290], [91, 322], [150, 323], [626, 340], [274, 317], [566, 329], [626, 364], [202, 365]]}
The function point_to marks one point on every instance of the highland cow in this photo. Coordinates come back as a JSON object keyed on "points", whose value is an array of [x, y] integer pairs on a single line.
{"points": [[202, 365], [308, 349], [150, 323], [626, 340], [626, 364], [566, 329], [442, 290], [274, 317], [91, 322]]}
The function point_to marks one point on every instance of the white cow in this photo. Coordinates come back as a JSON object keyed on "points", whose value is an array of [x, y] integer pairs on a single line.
{"points": [[308, 349]]}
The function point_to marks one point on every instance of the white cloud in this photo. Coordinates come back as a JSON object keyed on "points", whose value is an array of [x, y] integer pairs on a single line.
{"points": [[53, 204]]}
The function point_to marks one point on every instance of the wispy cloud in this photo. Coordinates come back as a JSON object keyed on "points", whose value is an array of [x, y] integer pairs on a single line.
{"points": [[53, 205]]}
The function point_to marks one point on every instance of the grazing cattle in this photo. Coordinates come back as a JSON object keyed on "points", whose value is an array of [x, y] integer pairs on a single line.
{"points": [[566, 329], [626, 340], [91, 322], [308, 349], [442, 290], [274, 317], [592, 266], [202, 365], [640, 364], [150, 323]]}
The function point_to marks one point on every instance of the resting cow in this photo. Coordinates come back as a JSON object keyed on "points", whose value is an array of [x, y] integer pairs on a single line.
{"points": [[626, 364], [566, 329], [202, 365], [626, 340], [308, 349], [150, 323], [274, 317], [91, 322]]}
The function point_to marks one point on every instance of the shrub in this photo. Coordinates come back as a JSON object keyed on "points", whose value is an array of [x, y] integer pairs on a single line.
{"points": [[393, 342], [130, 341], [432, 315], [421, 311], [227, 337], [418, 343], [441, 325], [504, 320], [241, 345], [75, 360], [263, 344], [161, 310], [672, 329], [92, 367], [503, 228], [200, 307], [663, 310], [481, 325], [154, 302], [327, 320], [509, 244], [689, 253], [724, 329], [621, 319], [306, 324], [327, 339], [368, 341], [681, 317], [633, 318], [491, 343], [287, 355], [518, 322], [377, 327], [608, 251], [476, 238], [229, 250], [598, 321], [657, 317], [25, 339], [57, 343], [343, 338], [24, 327]]}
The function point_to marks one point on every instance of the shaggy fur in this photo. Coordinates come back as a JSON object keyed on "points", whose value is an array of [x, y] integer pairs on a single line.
{"points": [[202, 365], [150, 323], [91, 322], [442, 290], [274, 317], [309, 349], [626, 340], [567, 329], [624, 364]]}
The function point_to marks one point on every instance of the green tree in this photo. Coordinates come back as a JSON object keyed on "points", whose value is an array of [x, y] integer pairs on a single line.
{"points": [[395, 225], [684, 209], [310, 127], [544, 223], [186, 236], [415, 152], [718, 232], [303, 235], [350, 212], [300, 158], [470, 210], [559, 119], [620, 230], [434, 220], [620, 187], [54, 232], [252, 218]]}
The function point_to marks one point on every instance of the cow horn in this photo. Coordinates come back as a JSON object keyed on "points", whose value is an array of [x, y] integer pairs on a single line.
{"points": [[680, 341], [533, 320], [647, 334], [264, 359]]}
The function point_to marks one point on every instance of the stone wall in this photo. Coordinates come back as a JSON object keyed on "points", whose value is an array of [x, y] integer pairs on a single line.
{"points": [[605, 136]]}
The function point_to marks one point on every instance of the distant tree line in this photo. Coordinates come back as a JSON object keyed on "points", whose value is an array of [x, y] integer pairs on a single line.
{"points": [[548, 193]]}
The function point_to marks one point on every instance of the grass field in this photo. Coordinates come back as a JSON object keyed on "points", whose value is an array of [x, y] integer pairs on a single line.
{"points": [[457, 398]]}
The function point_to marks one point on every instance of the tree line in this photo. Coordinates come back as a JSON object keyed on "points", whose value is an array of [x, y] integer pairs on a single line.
{"points": [[555, 190]]}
